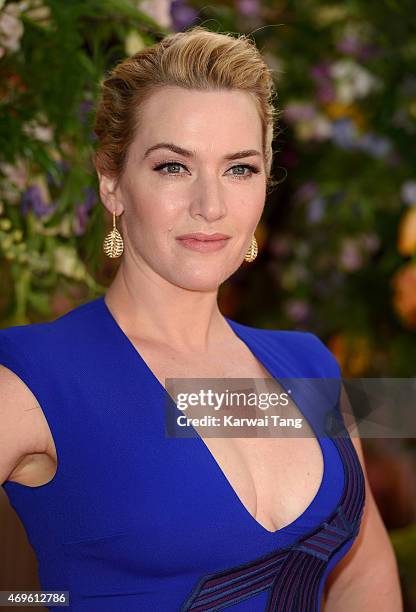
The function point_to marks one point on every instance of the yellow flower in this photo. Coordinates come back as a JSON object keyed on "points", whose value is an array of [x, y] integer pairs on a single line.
{"points": [[406, 241], [133, 42], [337, 110], [404, 298], [353, 353]]}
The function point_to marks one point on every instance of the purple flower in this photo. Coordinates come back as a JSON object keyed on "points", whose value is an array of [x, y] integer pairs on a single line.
{"points": [[375, 145], [297, 310], [90, 197], [248, 8], [306, 191], [80, 219], [84, 108], [32, 200], [321, 74], [344, 133], [362, 51], [349, 44], [82, 211], [299, 111], [325, 93], [182, 15], [316, 209], [63, 167]]}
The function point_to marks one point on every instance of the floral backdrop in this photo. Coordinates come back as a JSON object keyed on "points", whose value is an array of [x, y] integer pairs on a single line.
{"points": [[337, 240]]}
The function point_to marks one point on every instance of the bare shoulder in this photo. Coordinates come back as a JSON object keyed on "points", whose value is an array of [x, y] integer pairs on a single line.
{"points": [[23, 427]]}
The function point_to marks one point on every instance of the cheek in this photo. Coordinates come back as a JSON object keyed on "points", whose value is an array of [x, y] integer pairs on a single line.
{"points": [[152, 214]]}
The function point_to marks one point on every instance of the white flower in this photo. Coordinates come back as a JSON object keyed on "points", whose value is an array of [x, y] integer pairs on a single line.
{"points": [[408, 193], [44, 133], [159, 10], [67, 262], [350, 257], [352, 80], [11, 28], [16, 173]]}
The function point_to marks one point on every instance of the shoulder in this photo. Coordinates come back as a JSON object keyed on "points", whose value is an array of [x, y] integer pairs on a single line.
{"points": [[303, 349], [43, 344]]}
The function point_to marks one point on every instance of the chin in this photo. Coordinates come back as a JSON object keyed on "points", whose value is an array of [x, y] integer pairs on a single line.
{"points": [[205, 282]]}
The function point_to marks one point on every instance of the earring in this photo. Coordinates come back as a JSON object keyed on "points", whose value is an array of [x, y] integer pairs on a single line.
{"points": [[113, 245], [252, 251]]}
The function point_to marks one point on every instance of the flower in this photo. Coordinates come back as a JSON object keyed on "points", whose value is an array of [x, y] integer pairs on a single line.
{"points": [[322, 77], [248, 8], [355, 41], [182, 15], [298, 310], [403, 284], [37, 11], [316, 209], [16, 174], [36, 198], [133, 43], [344, 133], [339, 110], [33, 129], [406, 241], [11, 28], [370, 242], [82, 211], [159, 10], [306, 191], [408, 193], [353, 353], [378, 146], [298, 111], [352, 80], [67, 262], [350, 258]]}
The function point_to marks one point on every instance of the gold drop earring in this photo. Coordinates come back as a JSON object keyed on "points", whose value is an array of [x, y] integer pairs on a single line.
{"points": [[252, 251], [113, 245]]}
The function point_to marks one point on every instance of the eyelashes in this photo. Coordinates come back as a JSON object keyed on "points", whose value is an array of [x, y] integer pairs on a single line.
{"points": [[253, 169]]}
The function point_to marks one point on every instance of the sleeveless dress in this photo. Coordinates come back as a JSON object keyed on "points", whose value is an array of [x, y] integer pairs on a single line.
{"points": [[134, 520]]}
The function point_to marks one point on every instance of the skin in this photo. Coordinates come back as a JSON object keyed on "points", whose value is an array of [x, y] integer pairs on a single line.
{"points": [[171, 292], [367, 577]]}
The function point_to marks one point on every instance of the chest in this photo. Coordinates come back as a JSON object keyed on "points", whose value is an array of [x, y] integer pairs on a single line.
{"points": [[274, 477]]}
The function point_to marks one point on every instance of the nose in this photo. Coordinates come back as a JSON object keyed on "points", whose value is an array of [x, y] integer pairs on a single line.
{"points": [[208, 199]]}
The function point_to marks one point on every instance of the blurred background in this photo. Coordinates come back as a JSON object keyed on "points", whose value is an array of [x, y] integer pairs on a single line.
{"points": [[337, 240]]}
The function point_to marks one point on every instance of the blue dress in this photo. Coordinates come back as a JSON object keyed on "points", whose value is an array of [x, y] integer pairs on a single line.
{"points": [[134, 520]]}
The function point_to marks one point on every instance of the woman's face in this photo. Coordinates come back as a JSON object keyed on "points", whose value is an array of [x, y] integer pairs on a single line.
{"points": [[164, 193]]}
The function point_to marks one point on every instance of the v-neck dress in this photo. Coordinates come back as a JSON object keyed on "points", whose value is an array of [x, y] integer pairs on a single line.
{"points": [[136, 520]]}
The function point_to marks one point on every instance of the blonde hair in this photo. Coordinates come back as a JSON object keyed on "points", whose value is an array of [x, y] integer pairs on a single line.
{"points": [[196, 58]]}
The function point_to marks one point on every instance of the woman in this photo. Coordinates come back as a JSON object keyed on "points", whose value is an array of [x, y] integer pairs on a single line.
{"points": [[133, 519]]}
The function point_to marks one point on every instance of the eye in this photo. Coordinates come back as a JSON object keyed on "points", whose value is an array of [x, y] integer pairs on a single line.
{"points": [[252, 169], [169, 164]]}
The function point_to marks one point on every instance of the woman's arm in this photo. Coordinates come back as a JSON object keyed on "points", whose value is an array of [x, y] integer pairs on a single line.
{"points": [[367, 577]]}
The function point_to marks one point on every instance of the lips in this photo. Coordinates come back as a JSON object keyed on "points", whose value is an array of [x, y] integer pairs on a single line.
{"points": [[203, 237]]}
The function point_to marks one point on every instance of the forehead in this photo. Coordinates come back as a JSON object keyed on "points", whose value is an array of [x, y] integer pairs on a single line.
{"points": [[210, 121]]}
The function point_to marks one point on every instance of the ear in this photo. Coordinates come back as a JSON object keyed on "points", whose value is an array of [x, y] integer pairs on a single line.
{"points": [[109, 194]]}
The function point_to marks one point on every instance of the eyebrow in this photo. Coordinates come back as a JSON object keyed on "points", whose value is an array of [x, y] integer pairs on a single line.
{"points": [[192, 154]]}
